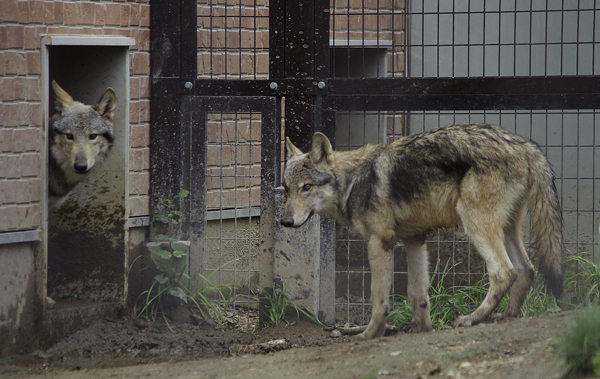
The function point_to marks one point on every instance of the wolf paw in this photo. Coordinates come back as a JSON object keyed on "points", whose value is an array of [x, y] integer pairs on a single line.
{"points": [[372, 331], [499, 317], [464, 321], [420, 328]]}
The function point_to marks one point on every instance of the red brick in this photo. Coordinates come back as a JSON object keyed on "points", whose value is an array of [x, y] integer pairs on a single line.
{"points": [[134, 15], [9, 11], [136, 160], [3, 37], [145, 15], [113, 14], [145, 87], [144, 110], [25, 140], [30, 165], [23, 194], [8, 192], [30, 38], [36, 12], [141, 63], [134, 112], [33, 114], [143, 40], [71, 14], [7, 89], [31, 89], [33, 63], [23, 12], [48, 13], [124, 14], [58, 12], [11, 116], [18, 87], [139, 183], [134, 88], [5, 139], [13, 168], [139, 136], [15, 36], [99, 14], [35, 191], [86, 13], [139, 206], [15, 63]]}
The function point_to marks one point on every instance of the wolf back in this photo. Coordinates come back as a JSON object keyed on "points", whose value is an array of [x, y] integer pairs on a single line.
{"points": [[478, 175]]}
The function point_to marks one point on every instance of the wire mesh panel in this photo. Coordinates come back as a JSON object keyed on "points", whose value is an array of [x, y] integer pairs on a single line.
{"points": [[230, 240], [233, 39], [502, 38]]}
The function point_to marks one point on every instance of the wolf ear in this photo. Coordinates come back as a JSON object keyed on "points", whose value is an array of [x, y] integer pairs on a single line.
{"points": [[320, 151], [291, 149], [106, 105], [62, 97]]}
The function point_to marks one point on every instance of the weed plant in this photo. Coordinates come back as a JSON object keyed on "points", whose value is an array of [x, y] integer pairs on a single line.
{"points": [[276, 305], [172, 280]]}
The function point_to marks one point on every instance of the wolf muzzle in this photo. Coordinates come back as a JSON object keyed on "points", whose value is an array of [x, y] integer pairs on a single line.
{"points": [[288, 222]]}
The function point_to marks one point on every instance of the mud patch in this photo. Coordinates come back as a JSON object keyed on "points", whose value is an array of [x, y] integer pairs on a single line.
{"points": [[515, 349]]}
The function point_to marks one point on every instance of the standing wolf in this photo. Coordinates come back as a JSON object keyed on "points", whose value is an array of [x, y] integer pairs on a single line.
{"points": [[477, 175], [80, 137]]}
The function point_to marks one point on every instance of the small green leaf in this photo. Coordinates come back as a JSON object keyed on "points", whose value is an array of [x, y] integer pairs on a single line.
{"points": [[161, 279], [179, 246], [183, 193], [161, 253], [179, 253]]}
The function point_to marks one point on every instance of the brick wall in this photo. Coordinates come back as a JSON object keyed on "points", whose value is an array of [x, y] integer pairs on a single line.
{"points": [[22, 23]]}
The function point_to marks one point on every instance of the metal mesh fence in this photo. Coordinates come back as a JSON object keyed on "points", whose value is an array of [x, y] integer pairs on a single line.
{"points": [[233, 39]]}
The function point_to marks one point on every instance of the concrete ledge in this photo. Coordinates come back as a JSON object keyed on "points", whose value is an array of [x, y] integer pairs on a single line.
{"points": [[70, 316], [20, 237]]}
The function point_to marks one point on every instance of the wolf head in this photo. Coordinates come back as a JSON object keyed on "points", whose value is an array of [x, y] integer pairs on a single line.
{"points": [[309, 181], [80, 137]]}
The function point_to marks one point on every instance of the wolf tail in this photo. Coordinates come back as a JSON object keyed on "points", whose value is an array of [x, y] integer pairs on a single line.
{"points": [[546, 226]]}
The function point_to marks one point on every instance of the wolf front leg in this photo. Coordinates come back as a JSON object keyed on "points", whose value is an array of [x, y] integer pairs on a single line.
{"points": [[381, 263], [418, 284]]}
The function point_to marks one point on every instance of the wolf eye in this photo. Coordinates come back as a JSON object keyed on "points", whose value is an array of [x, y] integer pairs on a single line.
{"points": [[307, 187], [69, 136], [93, 136]]}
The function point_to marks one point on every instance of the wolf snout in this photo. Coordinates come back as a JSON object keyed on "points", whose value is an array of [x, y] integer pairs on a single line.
{"points": [[80, 167], [288, 222]]}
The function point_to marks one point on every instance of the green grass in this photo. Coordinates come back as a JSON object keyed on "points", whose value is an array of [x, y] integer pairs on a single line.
{"points": [[580, 345], [276, 306], [447, 303]]}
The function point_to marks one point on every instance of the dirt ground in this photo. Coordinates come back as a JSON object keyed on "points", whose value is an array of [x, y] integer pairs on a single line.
{"points": [[123, 348]]}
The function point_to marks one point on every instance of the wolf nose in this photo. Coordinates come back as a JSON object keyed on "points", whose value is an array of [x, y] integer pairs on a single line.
{"points": [[80, 167], [287, 222]]}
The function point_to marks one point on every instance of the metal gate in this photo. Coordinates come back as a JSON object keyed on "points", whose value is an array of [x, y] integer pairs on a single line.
{"points": [[361, 71]]}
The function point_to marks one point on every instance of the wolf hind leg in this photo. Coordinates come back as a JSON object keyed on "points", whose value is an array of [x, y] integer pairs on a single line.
{"points": [[488, 237], [418, 285], [381, 264], [513, 240]]}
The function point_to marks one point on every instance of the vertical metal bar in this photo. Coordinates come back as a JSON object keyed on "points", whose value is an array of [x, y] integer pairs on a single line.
{"points": [[277, 56], [198, 185]]}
